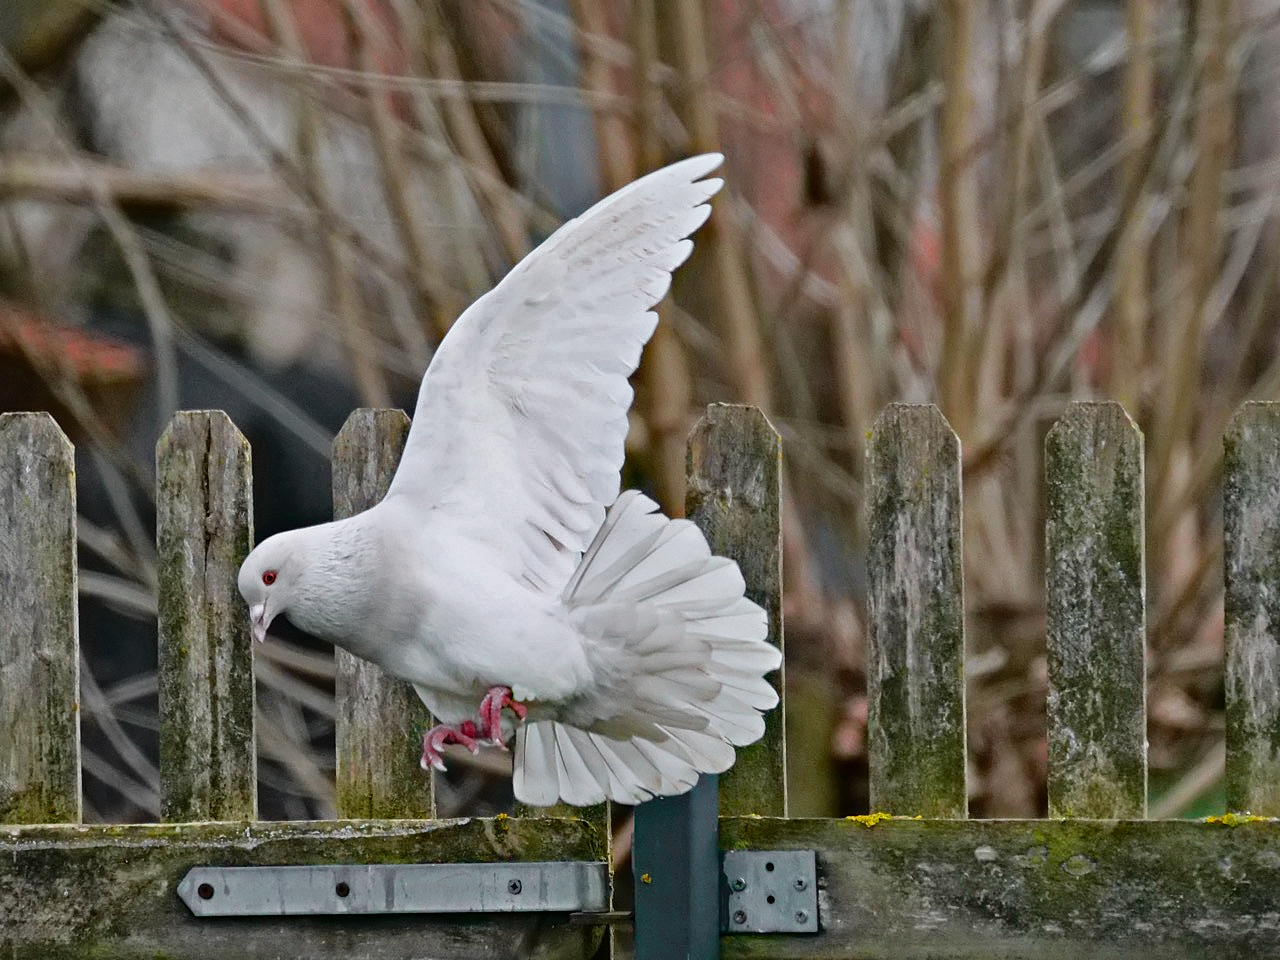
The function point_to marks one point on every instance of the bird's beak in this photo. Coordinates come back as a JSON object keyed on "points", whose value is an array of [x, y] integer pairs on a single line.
{"points": [[258, 621]]}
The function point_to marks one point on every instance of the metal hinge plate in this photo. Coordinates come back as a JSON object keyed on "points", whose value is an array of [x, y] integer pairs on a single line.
{"points": [[771, 891], [363, 889]]}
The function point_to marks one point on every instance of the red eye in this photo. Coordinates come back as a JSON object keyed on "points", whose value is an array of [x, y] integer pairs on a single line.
{"points": [[269, 577]]}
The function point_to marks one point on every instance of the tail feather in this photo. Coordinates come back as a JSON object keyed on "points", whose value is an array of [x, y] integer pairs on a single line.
{"points": [[708, 752], [536, 775], [688, 654], [704, 591], [557, 762], [736, 721], [735, 627], [578, 783], [750, 694], [748, 660]]}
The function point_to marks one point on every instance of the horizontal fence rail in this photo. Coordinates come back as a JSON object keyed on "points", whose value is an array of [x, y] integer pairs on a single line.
{"points": [[916, 879]]}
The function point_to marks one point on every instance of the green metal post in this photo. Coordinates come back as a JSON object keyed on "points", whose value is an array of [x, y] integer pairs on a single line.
{"points": [[676, 861]]}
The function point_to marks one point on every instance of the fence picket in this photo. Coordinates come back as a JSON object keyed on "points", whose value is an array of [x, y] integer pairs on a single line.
{"points": [[204, 530], [734, 469], [1251, 541], [915, 673], [1096, 626], [39, 638], [380, 719]]}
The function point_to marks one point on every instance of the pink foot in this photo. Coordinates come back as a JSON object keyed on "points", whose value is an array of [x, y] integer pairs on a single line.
{"points": [[491, 713], [433, 742]]}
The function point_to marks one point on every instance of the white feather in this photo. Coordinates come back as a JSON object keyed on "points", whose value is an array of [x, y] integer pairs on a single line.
{"points": [[503, 554], [690, 659], [514, 420], [535, 778]]}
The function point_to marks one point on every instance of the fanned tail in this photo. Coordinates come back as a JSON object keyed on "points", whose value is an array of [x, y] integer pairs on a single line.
{"points": [[691, 653]]}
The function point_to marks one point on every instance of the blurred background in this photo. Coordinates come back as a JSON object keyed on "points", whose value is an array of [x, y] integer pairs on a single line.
{"points": [[277, 207]]}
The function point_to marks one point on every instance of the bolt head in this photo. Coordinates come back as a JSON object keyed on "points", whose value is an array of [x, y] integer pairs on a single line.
{"points": [[513, 886], [740, 917], [738, 884], [801, 883], [802, 916]]}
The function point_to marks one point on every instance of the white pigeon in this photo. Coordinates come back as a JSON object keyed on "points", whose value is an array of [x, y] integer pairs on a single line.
{"points": [[503, 569]]}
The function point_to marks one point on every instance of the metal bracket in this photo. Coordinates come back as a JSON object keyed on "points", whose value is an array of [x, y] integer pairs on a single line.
{"points": [[771, 891], [552, 887]]}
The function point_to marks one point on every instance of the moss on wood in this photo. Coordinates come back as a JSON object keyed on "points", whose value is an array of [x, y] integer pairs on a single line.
{"points": [[915, 673], [380, 719], [204, 530], [1251, 607], [734, 469], [1096, 619], [39, 642], [109, 891], [1032, 889]]}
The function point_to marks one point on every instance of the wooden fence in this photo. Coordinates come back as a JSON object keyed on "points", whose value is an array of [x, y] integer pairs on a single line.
{"points": [[926, 882]]}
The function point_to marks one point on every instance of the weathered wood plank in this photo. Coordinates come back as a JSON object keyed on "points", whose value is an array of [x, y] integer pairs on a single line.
{"points": [[110, 891], [1030, 889], [1096, 630], [380, 720], [915, 672], [39, 638], [1251, 539], [734, 469], [204, 530]]}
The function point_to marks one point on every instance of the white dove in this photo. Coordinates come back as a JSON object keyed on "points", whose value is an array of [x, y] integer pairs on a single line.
{"points": [[503, 568]]}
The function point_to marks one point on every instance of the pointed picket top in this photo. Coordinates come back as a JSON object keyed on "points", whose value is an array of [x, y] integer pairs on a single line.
{"points": [[39, 638], [915, 670], [204, 530], [1096, 616]]}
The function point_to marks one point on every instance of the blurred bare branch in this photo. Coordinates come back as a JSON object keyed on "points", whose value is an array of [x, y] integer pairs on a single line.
{"points": [[997, 207]]}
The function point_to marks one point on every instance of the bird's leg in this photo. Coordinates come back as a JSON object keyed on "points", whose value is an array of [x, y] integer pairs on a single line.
{"points": [[491, 708], [433, 742]]}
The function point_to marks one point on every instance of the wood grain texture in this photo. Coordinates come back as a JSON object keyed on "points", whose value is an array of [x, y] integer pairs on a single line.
{"points": [[915, 674], [109, 892], [204, 530], [734, 467], [39, 639], [380, 719], [1251, 540], [1096, 630], [1026, 889]]}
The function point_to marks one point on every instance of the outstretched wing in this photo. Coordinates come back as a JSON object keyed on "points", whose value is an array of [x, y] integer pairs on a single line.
{"points": [[522, 415]]}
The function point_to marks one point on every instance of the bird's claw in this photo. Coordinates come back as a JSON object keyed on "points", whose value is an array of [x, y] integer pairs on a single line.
{"points": [[467, 733], [434, 740], [491, 707]]}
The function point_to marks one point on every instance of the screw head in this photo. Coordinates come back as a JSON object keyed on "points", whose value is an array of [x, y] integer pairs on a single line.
{"points": [[513, 886], [802, 916], [740, 917], [738, 884], [800, 883]]}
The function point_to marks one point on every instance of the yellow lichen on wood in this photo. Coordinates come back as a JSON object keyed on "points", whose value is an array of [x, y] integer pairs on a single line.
{"points": [[871, 819], [1235, 819]]}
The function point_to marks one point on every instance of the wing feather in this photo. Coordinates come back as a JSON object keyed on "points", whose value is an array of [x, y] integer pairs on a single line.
{"points": [[522, 415]]}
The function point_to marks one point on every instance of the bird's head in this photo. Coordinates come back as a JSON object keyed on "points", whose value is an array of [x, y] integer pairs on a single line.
{"points": [[267, 580]]}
